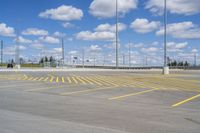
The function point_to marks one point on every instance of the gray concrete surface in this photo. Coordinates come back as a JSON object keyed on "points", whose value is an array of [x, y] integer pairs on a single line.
{"points": [[45, 110]]}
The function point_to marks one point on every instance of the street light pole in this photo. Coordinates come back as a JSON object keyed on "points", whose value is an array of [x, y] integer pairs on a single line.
{"points": [[117, 45], [63, 52], [165, 68], [1, 52]]}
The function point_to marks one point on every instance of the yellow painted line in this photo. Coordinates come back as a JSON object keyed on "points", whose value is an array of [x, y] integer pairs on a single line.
{"points": [[51, 79], [63, 79], [35, 78], [31, 78], [73, 78], [57, 79], [69, 80], [40, 79], [46, 79], [131, 94], [85, 91], [185, 101], [108, 82], [93, 80], [25, 77], [78, 78], [88, 81]]}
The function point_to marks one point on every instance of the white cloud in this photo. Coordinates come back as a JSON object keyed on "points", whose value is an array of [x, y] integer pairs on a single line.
{"points": [[6, 31], [142, 25], [183, 30], [73, 52], [35, 32], [106, 8], [95, 48], [11, 50], [59, 34], [88, 35], [63, 13], [175, 47], [49, 39], [149, 50], [194, 51], [24, 40], [186, 7], [37, 45], [68, 25], [111, 28]]}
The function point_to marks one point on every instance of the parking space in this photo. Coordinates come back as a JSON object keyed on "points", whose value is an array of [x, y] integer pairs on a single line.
{"points": [[97, 98]]}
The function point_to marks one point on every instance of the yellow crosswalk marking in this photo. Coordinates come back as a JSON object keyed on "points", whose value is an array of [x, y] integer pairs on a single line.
{"points": [[35, 78]]}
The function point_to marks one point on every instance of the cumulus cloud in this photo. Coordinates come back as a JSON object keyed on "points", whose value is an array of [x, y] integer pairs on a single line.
{"points": [[149, 50], [91, 36], [186, 7], [107, 8], [35, 32], [49, 39], [23, 40], [6, 30], [175, 47], [108, 27], [37, 45], [68, 25], [94, 48], [63, 13], [183, 30], [142, 25]]}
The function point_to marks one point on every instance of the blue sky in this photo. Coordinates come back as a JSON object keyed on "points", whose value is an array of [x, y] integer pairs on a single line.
{"points": [[90, 25]]}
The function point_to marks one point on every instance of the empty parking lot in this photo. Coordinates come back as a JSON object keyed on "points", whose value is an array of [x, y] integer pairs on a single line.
{"points": [[99, 101]]}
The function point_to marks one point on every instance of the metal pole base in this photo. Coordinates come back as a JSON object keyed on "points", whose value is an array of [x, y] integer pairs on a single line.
{"points": [[166, 70], [18, 66]]}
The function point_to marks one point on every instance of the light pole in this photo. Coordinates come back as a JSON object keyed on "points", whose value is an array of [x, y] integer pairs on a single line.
{"points": [[117, 45], [83, 58], [63, 52], [1, 52], [17, 53], [129, 51], [165, 68]]}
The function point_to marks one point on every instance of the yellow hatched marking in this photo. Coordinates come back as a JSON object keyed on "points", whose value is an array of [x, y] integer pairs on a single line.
{"points": [[103, 81], [132, 94], [94, 81], [57, 79], [110, 82], [73, 78], [88, 81], [31, 78], [185, 101], [25, 77], [51, 79], [63, 79], [82, 81], [35, 78], [40, 79], [69, 80], [46, 79]]}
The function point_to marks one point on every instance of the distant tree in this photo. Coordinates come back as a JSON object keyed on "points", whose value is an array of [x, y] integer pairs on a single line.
{"points": [[45, 59], [51, 59], [186, 64], [12, 61], [41, 61]]}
